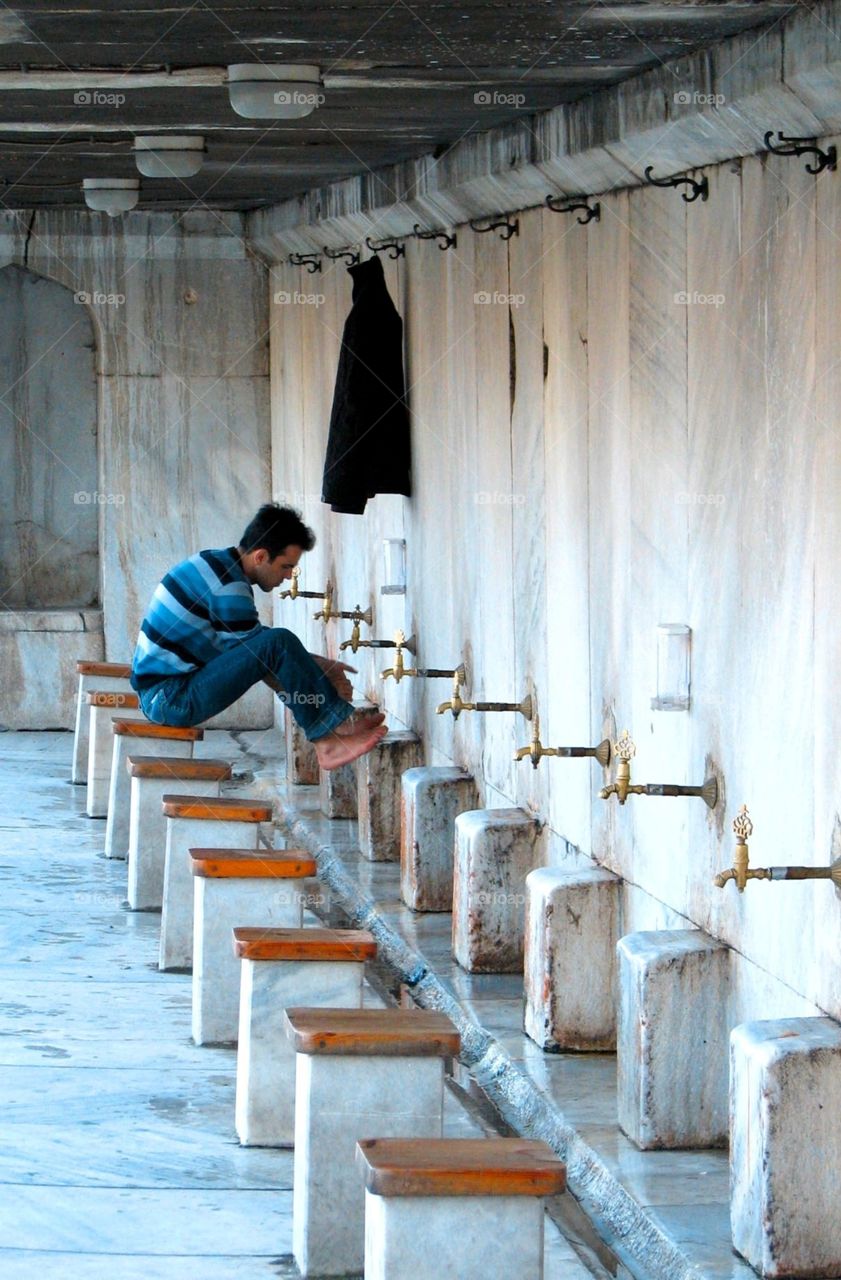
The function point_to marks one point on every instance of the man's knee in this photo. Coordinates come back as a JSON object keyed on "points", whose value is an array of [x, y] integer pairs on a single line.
{"points": [[280, 641]]}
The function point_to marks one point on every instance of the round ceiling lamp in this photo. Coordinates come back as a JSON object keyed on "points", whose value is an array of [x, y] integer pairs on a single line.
{"points": [[111, 195], [274, 91], [170, 155]]}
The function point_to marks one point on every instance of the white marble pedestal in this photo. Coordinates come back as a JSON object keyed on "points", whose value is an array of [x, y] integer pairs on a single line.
{"points": [[104, 708], [785, 1146], [256, 887], [282, 968], [153, 777], [380, 772], [495, 850], [572, 924], [135, 737], [198, 822], [301, 761], [672, 1033], [432, 799], [470, 1208], [359, 1072], [108, 677]]}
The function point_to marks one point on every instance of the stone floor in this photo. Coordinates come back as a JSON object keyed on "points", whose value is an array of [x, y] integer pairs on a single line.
{"points": [[662, 1214], [118, 1156]]}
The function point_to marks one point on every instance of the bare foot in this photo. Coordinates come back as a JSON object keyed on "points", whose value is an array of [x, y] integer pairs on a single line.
{"points": [[359, 721], [335, 749]]}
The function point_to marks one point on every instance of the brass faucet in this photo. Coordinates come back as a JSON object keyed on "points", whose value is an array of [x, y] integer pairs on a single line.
{"points": [[398, 671], [456, 704], [535, 750], [356, 615], [355, 643], [625, 750], [740, 873], [294, 591]]}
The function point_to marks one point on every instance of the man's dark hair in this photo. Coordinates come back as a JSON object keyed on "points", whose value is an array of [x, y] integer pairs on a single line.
{"points": [[275, 528]]}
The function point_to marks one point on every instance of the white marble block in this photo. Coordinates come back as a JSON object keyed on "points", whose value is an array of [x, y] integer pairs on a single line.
{"points": [[338, 791], [92, 676], [301, 762], [147, 823], [259, 888], [432, 799], [342, 1095], [338, 788], [672, 1038], [182, 835], [785, 1146], [103, 712], [495, 849], [380, 772], [429, 1237], [118, 825], [572, 926], [265, 1093]]}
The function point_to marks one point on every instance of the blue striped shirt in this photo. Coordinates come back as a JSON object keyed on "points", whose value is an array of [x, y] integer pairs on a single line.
{"points": [[202, 607]]}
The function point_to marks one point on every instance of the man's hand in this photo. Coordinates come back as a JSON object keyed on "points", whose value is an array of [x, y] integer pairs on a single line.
{"points": [[335, 673]]}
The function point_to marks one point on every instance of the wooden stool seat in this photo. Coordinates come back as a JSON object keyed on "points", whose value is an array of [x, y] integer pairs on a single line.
{"points": [[460, 1167], [221, 809], [373, 1033], [146, 729], [99, 698], [118, 670], [179, 770], [252, 864], [304, 944]]}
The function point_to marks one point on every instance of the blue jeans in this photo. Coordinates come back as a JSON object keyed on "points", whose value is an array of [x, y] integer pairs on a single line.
{"points": [[190, 699]]}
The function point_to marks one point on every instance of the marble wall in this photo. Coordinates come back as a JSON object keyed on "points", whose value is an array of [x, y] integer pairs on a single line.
{"points": [[615, 426], [179, 313]]}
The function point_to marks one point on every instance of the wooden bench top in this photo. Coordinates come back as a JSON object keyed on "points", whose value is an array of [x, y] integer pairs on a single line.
{"points": [[146, 729], [213, 809], [303, 944], [101, 698], [177, 769], [460, 1167], [373, 1033], [252, 864], [119, 670]]}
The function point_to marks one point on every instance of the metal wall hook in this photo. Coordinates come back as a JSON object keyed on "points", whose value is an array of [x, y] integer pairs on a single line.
{"points": [[352, 255], [804, 147], [699, 187], [396, 249], [506, 228], [442, 238], [312, 261], [560, 204]]}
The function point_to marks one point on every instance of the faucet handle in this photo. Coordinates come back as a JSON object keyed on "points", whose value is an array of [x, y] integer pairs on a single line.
{"points": [[399, 639], [742, 825], [625, 747]]}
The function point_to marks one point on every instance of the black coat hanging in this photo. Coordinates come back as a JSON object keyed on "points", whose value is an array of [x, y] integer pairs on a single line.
{"points": [[368, 448]]}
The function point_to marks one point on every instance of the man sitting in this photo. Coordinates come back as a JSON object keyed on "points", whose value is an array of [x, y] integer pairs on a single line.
{"points": [[201, 644]]}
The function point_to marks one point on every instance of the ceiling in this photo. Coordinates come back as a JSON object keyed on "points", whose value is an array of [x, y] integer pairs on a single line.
{"points": [[400, 79]]}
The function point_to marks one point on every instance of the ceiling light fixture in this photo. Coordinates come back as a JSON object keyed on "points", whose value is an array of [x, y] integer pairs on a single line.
{"points": [[274, 91], [170, 155], [111, 195]]}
